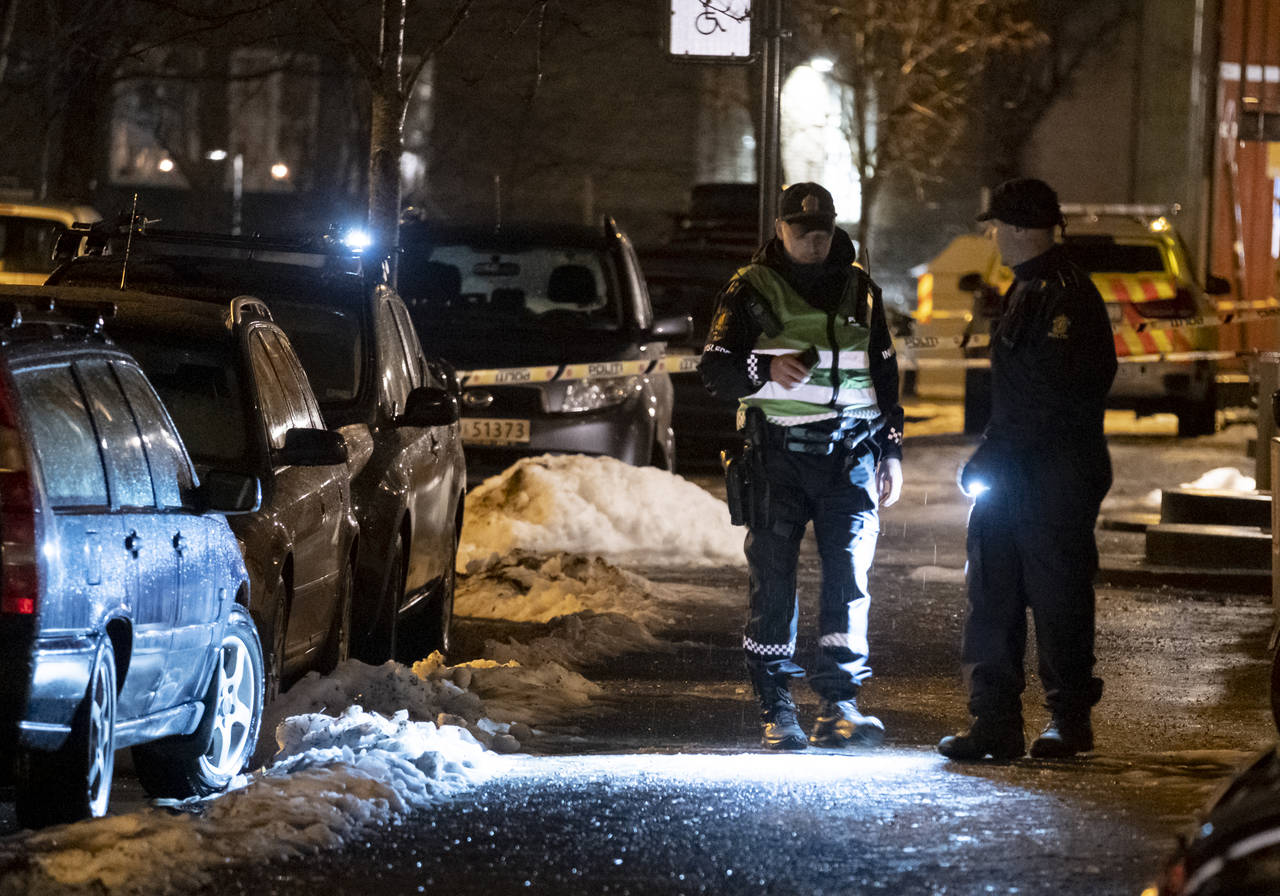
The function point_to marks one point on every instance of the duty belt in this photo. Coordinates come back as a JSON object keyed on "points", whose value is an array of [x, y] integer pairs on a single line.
{"points": [[821, 438]]}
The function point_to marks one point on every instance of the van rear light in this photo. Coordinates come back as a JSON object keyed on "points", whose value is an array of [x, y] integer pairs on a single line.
{"points": [[19, 566]]}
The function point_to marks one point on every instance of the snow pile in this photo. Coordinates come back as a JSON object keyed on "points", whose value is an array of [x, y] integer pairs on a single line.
{"points": [[335, 776], [474, 697], [532, 588], [594, 610], [1218, 479], [596, 505], [1224, 479]]}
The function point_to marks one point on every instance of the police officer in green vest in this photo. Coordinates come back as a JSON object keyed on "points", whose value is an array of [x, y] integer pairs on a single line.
{"points": [[799, 338]]}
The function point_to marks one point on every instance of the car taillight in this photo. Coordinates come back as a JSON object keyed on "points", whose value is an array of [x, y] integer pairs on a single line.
{"points": [[19, 570], [924, 297], [19, 583]]}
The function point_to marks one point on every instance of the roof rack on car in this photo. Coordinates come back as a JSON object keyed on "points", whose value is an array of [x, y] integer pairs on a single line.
{"points": [[88, 316], [96, 239]]}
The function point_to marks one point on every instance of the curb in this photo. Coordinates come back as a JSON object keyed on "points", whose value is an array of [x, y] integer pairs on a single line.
{"points": [[1144, 575]]}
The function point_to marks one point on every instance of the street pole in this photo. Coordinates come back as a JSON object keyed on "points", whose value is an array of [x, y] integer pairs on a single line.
{"points": [[770, 118], [237, 192]]}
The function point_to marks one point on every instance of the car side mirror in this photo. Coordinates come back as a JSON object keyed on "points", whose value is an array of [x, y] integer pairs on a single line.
{"points": [[972, 282], [304, 447], [675, 328], [1217, 286], [224, 491], [429, 406], [445, 372]]}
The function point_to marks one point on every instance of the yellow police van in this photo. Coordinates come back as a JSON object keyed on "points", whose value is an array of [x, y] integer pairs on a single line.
{"points": [[29, 231], [1163, 318]]}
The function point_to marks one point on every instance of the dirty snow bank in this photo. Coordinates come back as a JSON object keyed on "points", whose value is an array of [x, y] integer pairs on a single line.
{"points": [[596, 505]]}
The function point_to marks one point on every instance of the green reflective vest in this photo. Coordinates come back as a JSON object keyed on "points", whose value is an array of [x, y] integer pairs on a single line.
{"points": [[840, 383]]}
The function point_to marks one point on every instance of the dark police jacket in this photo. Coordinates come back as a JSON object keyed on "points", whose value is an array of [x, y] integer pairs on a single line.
{"points": [[1053, 359], [730, 369]]}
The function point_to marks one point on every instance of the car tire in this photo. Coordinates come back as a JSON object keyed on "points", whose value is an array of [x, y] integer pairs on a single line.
{"points": [[433, 631], [74, 782], [379, 645], [205, 761], [977, 400], [273, 661], [338, 644]]}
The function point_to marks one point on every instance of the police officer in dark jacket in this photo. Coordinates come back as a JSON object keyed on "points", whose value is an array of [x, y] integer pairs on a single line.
{"points": [[1038, 479], [799, 338]]}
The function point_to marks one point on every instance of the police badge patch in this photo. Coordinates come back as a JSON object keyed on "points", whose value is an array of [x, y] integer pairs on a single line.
{"points": [[1058, 330]]}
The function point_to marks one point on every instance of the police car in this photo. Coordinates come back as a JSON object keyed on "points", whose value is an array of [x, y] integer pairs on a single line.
{"points": [[1139, 264]]}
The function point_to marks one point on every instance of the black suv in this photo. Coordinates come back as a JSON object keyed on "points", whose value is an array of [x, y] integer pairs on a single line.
{"points": [[552, 324], [122, 590], [397, 410], [242, 402]]}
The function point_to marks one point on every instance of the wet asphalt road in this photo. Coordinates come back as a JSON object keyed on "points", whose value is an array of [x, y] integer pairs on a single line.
{"points": [[664, 790]]}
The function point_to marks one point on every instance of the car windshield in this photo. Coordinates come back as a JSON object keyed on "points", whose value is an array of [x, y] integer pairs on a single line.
{"points": [[201, 389], [525, 287], [1105, 256]]}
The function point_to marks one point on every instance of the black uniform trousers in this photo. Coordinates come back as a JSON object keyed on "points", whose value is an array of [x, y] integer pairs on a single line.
{"points": [[836, 492], [1017, 561]]}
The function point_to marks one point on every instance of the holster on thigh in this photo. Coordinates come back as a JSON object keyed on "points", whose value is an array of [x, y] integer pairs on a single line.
{"points": [[781, 511]]}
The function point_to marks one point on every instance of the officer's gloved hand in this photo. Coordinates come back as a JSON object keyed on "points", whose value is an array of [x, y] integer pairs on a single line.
{"points": [[977, 474]]}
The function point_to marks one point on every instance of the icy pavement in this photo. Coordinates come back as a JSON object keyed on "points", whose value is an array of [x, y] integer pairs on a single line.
{"points": [[367, 746]]}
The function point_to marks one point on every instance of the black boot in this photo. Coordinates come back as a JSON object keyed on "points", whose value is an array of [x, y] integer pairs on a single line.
{"points": [[840, 724], [779, 728], [1001, 739], [1065, 736]]}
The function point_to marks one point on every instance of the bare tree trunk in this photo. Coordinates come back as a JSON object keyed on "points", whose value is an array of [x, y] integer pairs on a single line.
{"points": [[386, 134]]}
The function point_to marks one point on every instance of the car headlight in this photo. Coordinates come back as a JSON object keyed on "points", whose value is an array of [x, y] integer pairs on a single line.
{"points": [[594, 394]]}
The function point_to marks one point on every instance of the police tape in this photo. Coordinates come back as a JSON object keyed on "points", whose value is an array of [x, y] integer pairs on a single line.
{"points": [[685, 364], [560, 373], [1151, 358], [1136, 339], [1131, 348]]}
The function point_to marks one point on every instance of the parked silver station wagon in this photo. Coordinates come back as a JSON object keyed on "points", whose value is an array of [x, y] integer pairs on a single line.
{"points": [[123, 592]]}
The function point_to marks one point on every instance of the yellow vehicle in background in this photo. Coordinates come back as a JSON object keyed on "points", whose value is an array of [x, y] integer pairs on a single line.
{"points": [[1140, 266], [29, 231], [945, 310]]}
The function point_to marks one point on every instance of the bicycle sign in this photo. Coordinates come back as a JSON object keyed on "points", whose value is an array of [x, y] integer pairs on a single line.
{"points": [[713, 30]]}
